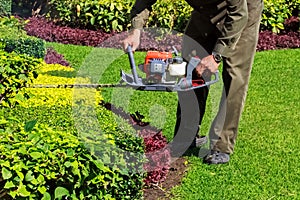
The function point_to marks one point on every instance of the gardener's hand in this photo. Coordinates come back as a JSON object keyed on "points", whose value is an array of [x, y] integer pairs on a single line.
{"points": [[207, 66], [133, 40]]}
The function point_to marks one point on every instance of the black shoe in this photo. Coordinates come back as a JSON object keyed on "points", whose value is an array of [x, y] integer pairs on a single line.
{"points": [[216, 157]]}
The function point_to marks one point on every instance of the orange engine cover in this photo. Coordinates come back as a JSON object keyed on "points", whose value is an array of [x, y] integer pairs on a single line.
{"points": [[157, 55]]}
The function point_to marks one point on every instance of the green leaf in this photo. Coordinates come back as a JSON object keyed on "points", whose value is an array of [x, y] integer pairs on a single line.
{"points": [[68, 164], [9, 184], [40, 179], [36, 155], [23, 191], [19, 97], [30, 125], [46, 196], [92, 20], [29, 177], [60, 192], [42, 189], [6, 174]]}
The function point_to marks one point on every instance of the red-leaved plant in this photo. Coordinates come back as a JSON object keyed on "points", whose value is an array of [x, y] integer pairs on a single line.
{"points": [[150, 39], [52, 57], [156, 146]]}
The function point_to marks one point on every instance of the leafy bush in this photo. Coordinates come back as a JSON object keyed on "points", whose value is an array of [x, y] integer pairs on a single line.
{"points": [[108, 15], [269, 40], [54, 156], [155, 145], [170, 14], [14, 38], [292, 24], [276, 12], [16, 71], [40, 163], [30, 46], [5, 7], [112, 15]]}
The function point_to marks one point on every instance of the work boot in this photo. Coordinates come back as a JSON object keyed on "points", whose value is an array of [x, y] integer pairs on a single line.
{"points": [[216, 157]]}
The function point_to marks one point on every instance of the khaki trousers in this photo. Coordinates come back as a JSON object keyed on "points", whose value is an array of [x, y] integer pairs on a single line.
{"points": [[200, 37]]}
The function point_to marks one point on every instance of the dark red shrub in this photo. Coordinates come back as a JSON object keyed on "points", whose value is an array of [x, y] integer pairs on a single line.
{"points": [[292, 24], [156, 146], [150, 39], [50, 32], [268, 40], [52, 57]]}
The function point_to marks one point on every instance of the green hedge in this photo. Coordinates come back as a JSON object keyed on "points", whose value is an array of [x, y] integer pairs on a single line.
{"points": [[30, 46], [114, 14], [5, 7], [14, 38]]}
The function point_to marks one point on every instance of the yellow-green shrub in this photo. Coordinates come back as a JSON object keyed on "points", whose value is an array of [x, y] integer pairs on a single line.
{"points": [[16, 71], [42, 160], [54, 74]]}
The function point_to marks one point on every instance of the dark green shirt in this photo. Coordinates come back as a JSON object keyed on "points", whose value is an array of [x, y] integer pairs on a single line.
{"points": [[235, 19]]}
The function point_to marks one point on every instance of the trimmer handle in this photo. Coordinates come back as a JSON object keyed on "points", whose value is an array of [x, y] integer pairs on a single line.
{"points": [[187, 82], [132, 64]]}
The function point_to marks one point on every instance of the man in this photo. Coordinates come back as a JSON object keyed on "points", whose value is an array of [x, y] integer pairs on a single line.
{"points": [[218, 31]]}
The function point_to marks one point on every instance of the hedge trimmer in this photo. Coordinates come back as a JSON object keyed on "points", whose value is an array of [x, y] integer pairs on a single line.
{"points": [[163, 71]]}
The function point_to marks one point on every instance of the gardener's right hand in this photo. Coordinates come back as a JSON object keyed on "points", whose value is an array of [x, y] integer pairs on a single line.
{"points": [[133, 40]]}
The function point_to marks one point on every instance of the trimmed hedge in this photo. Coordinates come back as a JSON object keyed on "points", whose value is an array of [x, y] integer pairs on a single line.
{"points": [[30, 46], [14, 38]]}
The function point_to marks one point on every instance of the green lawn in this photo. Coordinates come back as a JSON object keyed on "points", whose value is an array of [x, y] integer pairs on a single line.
{"points": [[265, 163]]}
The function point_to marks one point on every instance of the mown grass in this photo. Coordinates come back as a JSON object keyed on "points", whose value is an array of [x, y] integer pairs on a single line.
{"points": [[265, 164]]}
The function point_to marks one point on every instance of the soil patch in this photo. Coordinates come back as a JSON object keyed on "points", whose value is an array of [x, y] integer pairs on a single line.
{"points": [[162, 191]]}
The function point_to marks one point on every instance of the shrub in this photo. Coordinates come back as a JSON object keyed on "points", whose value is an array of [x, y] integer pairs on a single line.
{"points": [[30, 46], [292, 24], [5, 7], [14, 38], [57, 159], [275, 12], [16, 72], [41, 163], [269, 40], [108, 15], [112, 15], [155, 145], [49, 31], [52, 57], [170, 14]]}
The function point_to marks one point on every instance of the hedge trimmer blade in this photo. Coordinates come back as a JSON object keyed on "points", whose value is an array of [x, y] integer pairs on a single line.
{"points": [[96, 86]]}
